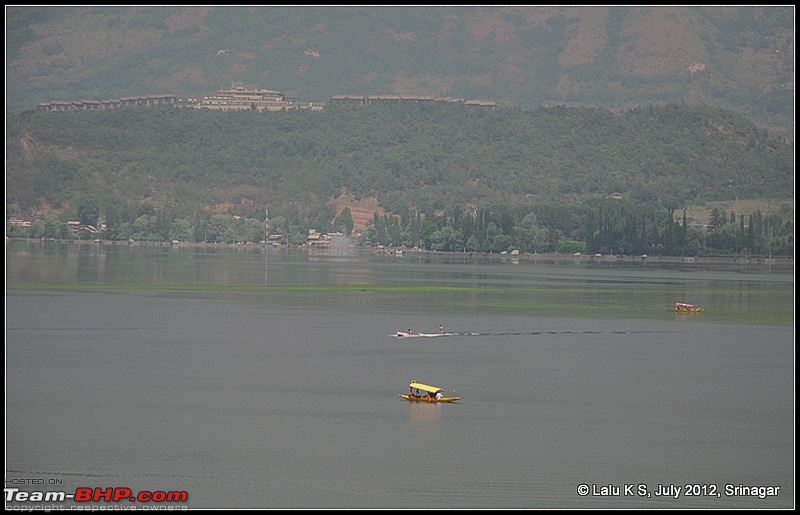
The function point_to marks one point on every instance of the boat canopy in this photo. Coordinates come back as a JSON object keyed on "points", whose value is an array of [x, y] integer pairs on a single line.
{"points": [[683, 305], [424, 387]]}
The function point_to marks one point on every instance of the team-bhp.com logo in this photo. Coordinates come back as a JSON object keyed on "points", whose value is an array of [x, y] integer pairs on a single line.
{"points": [[87, 495]]}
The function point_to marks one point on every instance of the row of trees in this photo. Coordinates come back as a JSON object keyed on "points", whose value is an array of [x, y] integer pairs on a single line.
{"points": [[607, 226], [143, 222]]}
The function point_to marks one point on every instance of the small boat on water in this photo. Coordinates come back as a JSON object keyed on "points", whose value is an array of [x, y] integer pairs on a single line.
{"points": [[683, 307], [415, 334], [418, 392]]}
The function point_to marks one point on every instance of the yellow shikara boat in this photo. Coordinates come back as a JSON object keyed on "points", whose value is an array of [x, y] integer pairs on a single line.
{"points": [[683, 307], [419, 392]]}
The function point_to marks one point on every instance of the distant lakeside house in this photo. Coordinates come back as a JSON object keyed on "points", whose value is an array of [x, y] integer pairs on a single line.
{"points": [[75, 226]]}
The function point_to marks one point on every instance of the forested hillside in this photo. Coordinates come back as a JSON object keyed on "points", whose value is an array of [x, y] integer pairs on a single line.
{"points": [[738, 57], [434, 164]]}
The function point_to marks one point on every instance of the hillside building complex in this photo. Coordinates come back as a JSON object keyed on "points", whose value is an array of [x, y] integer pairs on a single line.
{"points": [[99, 105], [239, 98]]}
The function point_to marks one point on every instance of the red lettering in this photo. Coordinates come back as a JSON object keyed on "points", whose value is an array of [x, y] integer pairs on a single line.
{"points": [[83, 494], [106, 495], [121, 493], [181, 496]]}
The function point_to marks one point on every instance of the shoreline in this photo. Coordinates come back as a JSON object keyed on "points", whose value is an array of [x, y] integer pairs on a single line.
{"points": [[399, 252], [615, 258]]}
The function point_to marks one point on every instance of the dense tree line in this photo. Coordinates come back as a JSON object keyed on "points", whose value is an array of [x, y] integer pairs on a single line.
{"points": [[453, 178], [607, 226]]}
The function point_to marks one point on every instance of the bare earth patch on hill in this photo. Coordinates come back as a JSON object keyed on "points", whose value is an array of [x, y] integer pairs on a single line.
{"points": [[746, 207], [363, 210]]}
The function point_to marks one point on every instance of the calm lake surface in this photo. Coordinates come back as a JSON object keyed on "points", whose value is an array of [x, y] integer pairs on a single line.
{"points": [[254, 377]]}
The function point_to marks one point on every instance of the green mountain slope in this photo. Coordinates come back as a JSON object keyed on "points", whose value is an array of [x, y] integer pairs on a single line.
{"points": [[409, 156], [741, 58]]}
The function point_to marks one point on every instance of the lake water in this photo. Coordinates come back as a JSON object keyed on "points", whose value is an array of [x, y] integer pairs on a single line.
{"points": [[269, 378]]}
